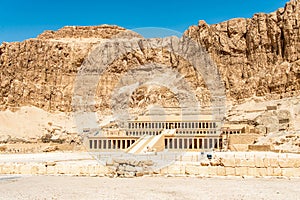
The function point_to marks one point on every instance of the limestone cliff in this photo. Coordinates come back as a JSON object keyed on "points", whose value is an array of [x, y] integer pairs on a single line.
{"points": [[257, 56], [41, 72]]}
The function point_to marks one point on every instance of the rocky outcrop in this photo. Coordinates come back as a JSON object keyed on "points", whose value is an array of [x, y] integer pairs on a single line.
{"points": [[257, 56], [88, 32], [41, 72], [282, 141]]}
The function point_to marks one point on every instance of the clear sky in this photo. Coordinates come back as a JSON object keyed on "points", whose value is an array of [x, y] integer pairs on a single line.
{"points": [[23, 19]]}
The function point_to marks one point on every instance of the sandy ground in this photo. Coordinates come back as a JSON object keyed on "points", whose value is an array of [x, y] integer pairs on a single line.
{"points": [[64, 187], [34, 121]]}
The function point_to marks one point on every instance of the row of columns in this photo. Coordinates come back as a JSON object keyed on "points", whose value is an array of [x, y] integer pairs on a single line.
{"points": [[170, 125], [110, 143], [140, 133], [192, 143], [191, 132]]}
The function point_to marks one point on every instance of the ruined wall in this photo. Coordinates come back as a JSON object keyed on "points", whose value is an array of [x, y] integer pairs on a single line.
{"points": [[257, 56], [252, 165]]}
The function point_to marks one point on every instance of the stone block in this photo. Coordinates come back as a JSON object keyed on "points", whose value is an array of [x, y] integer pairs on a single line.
{"points": [[15, 169], [116, 164], [245, 162], [290, 172], [228, 162], [51, 170], [203, 170], [287, 172], [259, 162], [41, 169], [75, 170], [85, 169], [241, 171], [255, 147], [252, 171], [129, 168], [111, 169], [221, 171], [64, 169], [109, 162], [296, 172], [91, 169], [34, 170], [25, 169], [129, 174], [271, 162], [139, 174], [4, 169], [100, 169], [230, 171], [133, 162], [213, 170], [148, 162], [163, 171], [238, 162], [120, 172], [192, 170], [175, 169], [286, 163], [261, 171], [117, 160], [296, 162], [269, 171], [266, 162], [10, 169], [277, 171], [50, 163], [146, 169]]}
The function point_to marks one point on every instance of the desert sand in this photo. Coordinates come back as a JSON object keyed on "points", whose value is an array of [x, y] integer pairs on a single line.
{"points": [[66, 187]]}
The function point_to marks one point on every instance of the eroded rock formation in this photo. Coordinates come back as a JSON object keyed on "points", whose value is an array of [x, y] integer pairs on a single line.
{"points": [[257, 56], [41, 72]]}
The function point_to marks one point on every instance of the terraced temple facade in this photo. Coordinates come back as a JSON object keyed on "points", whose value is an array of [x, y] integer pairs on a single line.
{"points": [[169, 132]]}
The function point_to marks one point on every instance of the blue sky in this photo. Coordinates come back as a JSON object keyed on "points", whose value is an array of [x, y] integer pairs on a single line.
{"points": [[20, 19]]}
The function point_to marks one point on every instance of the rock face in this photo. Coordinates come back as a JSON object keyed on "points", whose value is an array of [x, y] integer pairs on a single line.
{"points": [[40, 72], [258, 56], [89, 32]]}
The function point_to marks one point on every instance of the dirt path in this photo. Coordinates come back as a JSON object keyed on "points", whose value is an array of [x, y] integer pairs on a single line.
{"points": [[64, 187]]}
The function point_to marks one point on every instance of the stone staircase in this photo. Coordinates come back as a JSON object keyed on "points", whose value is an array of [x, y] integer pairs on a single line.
{"points": [[147, 144], [139, 145]]}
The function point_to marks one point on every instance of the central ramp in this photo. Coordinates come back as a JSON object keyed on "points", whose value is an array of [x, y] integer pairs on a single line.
{"points": [[150, 143], [139, 144], [147, 144]]}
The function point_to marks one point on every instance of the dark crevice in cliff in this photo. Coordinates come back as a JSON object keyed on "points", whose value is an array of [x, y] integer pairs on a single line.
{"points": [[283, 43]]}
